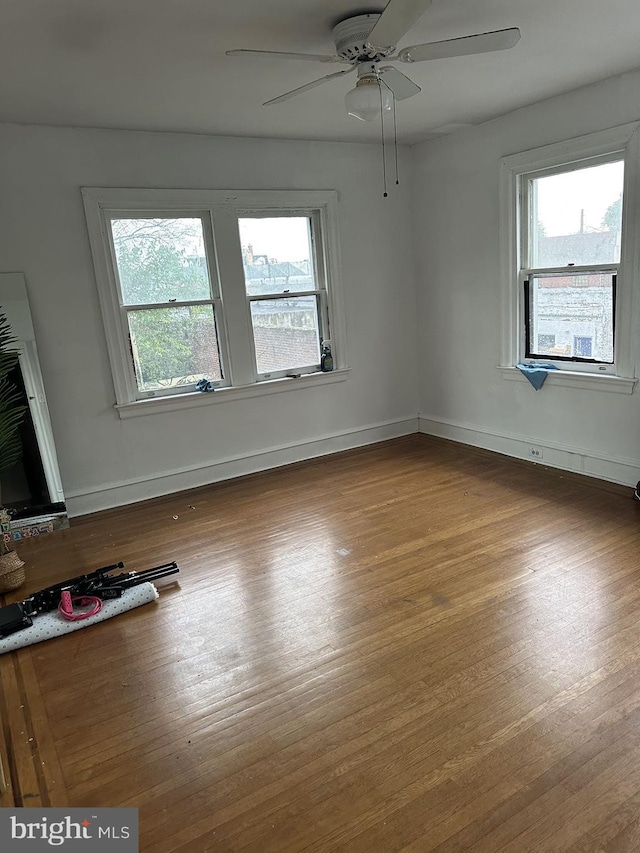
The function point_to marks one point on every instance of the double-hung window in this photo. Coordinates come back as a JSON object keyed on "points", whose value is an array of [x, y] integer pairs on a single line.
{"points": [[287, 299], [571, 219], [238, 289], [569, 254], [168, 298]]}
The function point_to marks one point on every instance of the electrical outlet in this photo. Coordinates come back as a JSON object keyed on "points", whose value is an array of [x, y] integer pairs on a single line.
{"points": [[536, 452]]}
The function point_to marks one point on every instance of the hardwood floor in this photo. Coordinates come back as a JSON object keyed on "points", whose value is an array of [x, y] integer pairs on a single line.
{"points": [[410, 647]]}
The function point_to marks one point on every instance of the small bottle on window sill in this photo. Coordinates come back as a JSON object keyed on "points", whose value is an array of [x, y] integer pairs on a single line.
{"points": [[326, 359]]}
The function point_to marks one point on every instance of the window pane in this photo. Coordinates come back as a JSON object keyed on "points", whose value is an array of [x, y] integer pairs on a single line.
{"points": [[572, 316], [160, 260], [174, 346], [286, 333], [277, 254], [576, 217]]}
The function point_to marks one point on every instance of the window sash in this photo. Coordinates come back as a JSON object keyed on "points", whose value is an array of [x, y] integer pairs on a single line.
{"points": [[530, 352], [187, 388], [162, 213], [319, 261], [214, 300], [526, 212], [316, 238], [322, 315], [578, 364]]}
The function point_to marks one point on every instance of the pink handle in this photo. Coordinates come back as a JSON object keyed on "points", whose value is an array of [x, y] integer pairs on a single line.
{"points": [[65, 608], [66, 605]]}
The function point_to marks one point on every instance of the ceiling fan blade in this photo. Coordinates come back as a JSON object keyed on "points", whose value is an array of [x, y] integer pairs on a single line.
{"points": [[398, 17], [465, 46], [307, 86], [277, 54], [401, 86]]}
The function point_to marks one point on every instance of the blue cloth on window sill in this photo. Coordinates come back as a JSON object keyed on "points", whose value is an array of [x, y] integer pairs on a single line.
{"points": [[536, 372]]}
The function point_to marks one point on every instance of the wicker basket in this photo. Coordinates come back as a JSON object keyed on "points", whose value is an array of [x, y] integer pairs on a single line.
{"points": [[12, 573]]}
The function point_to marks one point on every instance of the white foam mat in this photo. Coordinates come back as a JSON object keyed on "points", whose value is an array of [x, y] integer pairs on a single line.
{"points": [[46, 626]]}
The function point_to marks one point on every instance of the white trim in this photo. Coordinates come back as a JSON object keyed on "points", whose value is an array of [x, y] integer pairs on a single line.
{"points": [[128, 198], [579, 460], [621, 139], [610, 141], [236, 316], [575, 164], [119, 493], [627, 286], [101, 249], [153, 405], [332, 269], [574, 379], [509, 233], [34, 387]]}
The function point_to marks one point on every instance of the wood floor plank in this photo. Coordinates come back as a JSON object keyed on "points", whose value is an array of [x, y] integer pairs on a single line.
{"points": [[412, 646]]}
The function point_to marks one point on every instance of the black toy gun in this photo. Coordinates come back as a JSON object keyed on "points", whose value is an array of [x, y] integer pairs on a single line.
{"points": [[100, 584]]}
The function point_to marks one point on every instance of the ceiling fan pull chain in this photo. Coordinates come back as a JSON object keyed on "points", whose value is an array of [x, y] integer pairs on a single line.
{"points": [[384, 160], [395, 137], [395, 125]]}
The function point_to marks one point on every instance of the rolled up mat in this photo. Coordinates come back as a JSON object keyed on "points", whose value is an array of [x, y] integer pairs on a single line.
{"points": [[49, 625]]}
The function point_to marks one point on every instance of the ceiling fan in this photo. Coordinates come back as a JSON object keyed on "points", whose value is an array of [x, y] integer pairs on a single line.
{"points": [[365, 41]]}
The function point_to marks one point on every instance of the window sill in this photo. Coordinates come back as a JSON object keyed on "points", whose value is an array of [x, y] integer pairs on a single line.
{"points": [[573, 379], [176, 402]]}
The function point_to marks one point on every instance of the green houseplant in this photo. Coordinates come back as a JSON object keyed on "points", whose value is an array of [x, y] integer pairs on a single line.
{"points": [[11, 414]]}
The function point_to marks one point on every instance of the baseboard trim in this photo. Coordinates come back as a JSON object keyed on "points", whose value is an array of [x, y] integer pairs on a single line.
{"points": [[111, 495], [614, 469]]}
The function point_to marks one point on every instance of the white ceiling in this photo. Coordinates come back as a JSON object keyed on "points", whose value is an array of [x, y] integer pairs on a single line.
{"points": [[160, 64]]}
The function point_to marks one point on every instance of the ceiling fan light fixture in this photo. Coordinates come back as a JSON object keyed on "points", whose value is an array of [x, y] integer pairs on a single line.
{"points": [[366, 98]]}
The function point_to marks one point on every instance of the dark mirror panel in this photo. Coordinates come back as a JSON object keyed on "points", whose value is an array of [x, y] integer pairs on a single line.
{"points": [[30, 490], [24, 486]]}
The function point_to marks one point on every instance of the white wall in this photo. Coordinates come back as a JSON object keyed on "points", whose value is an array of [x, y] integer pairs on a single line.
{"points": [[106, 461], [452, 210], [462, 395]]}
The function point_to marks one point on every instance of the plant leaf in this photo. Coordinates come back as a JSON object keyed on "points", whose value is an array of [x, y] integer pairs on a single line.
{"points": [[12, 408]]}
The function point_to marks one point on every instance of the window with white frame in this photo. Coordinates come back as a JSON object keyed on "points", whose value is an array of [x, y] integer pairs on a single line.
{"points": [[283, 279], [168, 297], [237, 289], [569, 258], [571, 219]]}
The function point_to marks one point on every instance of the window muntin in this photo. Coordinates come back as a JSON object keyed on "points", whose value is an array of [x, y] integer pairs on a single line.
{"points": [[284, 281], [571, 237]]}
